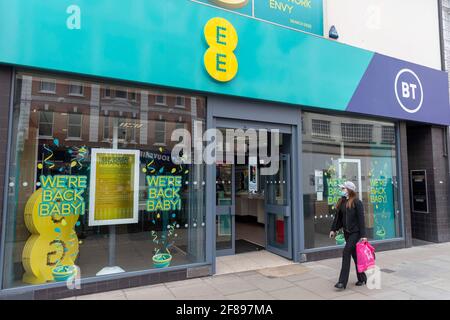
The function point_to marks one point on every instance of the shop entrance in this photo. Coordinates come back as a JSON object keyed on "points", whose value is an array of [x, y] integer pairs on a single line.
{"points": [[253, 207]]}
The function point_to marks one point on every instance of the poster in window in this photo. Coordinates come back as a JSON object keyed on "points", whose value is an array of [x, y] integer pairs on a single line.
{"points": [[114, 187], [224, 226]]}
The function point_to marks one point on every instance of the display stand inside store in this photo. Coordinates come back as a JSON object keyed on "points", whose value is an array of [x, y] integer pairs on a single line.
{"points": [[112, 268]]}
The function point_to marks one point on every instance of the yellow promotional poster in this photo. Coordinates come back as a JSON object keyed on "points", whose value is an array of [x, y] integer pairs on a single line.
{"points": [[53, 244], [220, 61], [114, 187]]}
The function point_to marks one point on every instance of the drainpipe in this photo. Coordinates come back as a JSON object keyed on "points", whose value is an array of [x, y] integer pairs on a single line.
{"points": [[441, 34], [444, 68]]}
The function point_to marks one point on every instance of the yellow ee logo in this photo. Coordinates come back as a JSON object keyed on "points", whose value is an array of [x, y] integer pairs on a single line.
{"points": [[220, 61]]}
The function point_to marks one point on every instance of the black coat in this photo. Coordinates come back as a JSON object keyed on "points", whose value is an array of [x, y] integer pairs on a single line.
{"points": [[354, 218]]}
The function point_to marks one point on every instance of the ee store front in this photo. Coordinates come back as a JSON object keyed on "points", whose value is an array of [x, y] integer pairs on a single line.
{"points": [[97, 186]]}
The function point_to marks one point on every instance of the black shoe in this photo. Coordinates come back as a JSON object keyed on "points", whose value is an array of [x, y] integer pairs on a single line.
{"points": [[340, 285], [361, 283]]}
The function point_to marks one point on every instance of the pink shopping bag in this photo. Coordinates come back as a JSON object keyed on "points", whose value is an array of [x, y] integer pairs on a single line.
{"points": [[365, 256]]}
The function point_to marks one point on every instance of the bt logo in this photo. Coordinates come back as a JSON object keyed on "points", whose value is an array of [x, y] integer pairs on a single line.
{"points": [[409, 91], [220, 61]]}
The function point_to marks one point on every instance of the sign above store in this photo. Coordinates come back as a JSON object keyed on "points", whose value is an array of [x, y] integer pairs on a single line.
{"points": [[402, 90], [304, 15], [164, 44], [222, 39]]}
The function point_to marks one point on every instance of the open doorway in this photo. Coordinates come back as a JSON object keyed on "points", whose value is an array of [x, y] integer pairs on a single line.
{"points": [[253, 210]]}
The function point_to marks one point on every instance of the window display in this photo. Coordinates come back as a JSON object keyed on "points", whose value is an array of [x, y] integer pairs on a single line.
{"points": [[83, 160], [337, 149]]}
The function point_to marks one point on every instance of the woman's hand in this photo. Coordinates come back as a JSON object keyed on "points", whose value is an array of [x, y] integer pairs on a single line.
{"points": [[332, 234]]}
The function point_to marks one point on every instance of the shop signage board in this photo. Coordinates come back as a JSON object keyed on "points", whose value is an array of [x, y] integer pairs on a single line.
{"points": [[163, 43], [114, 187], [305, 15]]}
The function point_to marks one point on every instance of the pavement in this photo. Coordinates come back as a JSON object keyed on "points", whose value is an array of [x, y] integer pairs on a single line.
{"points": [[418, 273]]}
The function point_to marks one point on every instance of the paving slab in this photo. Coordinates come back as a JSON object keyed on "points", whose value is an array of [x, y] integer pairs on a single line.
{"points": [[194, 291], [392, 294], [409, 274], [426, 292], [323, 288], [113, 295], [250, 295], [230, 284], [160, 292], [353, 296], [294, 293], [301, 277], [443, 284], [284, 271], [268, 284]]}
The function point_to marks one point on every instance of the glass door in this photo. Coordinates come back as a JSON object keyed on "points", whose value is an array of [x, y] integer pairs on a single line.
{"points": [[350, 170], [225, 209], [278, 210]]}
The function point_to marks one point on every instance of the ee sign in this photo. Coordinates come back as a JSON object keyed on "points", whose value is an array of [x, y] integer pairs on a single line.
{"points": [[220, 61], [409, 91]]}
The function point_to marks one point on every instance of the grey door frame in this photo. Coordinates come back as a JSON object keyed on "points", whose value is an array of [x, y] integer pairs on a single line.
{"points": [[262, 112], [229, 210], [285, 210]]}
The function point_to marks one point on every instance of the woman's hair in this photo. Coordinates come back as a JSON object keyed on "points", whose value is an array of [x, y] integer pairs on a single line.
{"points": [[351, 199]]}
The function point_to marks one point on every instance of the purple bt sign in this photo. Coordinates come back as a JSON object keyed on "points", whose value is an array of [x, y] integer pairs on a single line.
{"points": [[402, 90]]}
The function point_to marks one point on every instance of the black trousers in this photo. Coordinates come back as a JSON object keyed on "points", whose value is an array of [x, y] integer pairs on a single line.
{"points": [[350, 252]]}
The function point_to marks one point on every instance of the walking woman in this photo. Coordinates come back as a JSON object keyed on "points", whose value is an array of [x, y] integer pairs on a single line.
{"points": [[349, 217]]}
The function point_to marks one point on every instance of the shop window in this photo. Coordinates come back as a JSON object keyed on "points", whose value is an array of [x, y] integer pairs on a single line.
{"points": [[45, 123], [74, 125], [160, 132], [351, 154], [76, 89], [47, 86], [72, 190], [321, 129]]}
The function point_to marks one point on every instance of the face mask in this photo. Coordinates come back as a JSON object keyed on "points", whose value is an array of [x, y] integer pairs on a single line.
{"points": [[344, 193]]}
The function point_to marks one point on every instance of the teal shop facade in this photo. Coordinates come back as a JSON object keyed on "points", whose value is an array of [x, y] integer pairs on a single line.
{"points": [[79, 76]]}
